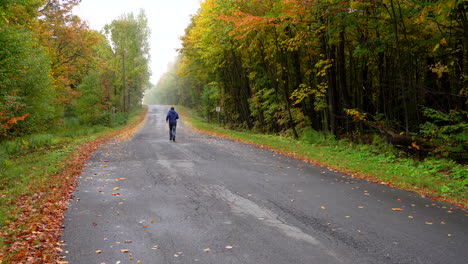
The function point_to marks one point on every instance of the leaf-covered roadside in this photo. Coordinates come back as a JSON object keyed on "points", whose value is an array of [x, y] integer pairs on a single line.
{"points": [[33, 234], [430, 178]]}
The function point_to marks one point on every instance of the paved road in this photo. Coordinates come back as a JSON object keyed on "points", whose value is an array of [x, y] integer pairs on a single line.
{"points": [[208, 200]]}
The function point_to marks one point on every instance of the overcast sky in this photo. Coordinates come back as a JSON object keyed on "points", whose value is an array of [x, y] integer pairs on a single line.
{"points": [[167, 20]]}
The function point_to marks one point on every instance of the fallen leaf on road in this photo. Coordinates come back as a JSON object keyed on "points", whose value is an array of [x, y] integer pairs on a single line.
{"points": [[410, 217], [116, 188], [207, 249], [443, 223], [98, 251], [124, 250], [152, 221], [119, 179], [360, 207], [105, 166], [155, 247], [128, 241], [229, 247], [116, 194], [299, 191], [94, 224], [428, 223], [323, 207], [397, 209]]}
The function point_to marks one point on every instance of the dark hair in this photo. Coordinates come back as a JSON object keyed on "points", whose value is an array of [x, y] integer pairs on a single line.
{"points": [[172, 108]]}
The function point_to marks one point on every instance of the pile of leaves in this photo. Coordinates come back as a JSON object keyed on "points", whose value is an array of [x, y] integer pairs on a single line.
{"points": [[33, 237]]}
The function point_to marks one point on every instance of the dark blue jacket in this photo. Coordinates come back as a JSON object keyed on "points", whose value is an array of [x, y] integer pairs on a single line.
{"points": [[172, 117]]}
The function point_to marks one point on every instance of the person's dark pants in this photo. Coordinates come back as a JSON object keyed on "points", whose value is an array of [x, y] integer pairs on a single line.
{"points": [[172, 131]]}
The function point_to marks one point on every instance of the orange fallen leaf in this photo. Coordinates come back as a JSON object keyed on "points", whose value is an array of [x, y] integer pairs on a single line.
{"points": [[323, 207], [98, 251], [124, 250], [116, 194], [428, 223], [397, 209], [145, 225], [121, 178]]}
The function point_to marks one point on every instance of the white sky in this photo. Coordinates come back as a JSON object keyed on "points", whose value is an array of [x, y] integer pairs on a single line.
{"points": [[167, 20]]}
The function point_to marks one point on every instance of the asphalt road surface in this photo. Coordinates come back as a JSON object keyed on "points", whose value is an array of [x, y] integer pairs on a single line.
{"points": [[203, 199]]}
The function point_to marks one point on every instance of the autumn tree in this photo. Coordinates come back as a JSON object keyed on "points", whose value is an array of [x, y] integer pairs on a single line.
{"points": [[71, 47]]}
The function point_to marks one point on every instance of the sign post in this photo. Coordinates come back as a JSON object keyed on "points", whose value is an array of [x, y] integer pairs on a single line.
{"points": [[218, 109]]}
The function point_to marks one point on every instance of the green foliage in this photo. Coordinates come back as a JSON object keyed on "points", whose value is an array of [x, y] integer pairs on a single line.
{"points": [[129, 37], [210, 99], [310, 136], [448, 132], [89, 105], [24, 70]]}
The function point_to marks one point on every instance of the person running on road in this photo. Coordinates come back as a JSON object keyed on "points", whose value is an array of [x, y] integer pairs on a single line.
{"points": [[172, 117]]}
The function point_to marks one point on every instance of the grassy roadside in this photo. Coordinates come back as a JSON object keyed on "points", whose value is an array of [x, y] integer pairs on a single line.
{"points": [[436, 178], [35, 187]]}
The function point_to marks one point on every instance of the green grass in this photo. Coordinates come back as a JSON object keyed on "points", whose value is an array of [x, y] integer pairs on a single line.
{"points": [[439, 178]]}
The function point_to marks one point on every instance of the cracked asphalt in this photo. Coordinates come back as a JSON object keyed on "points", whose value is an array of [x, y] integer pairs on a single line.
{"points": [[204, 199]]}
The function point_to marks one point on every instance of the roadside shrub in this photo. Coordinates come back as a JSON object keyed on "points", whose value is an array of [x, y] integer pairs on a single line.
{"points": [[311, 136], [447, 132]]}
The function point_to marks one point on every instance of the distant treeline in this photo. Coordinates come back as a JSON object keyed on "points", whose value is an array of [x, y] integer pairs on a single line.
{"points": [[343, 67], [53, 68]]}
